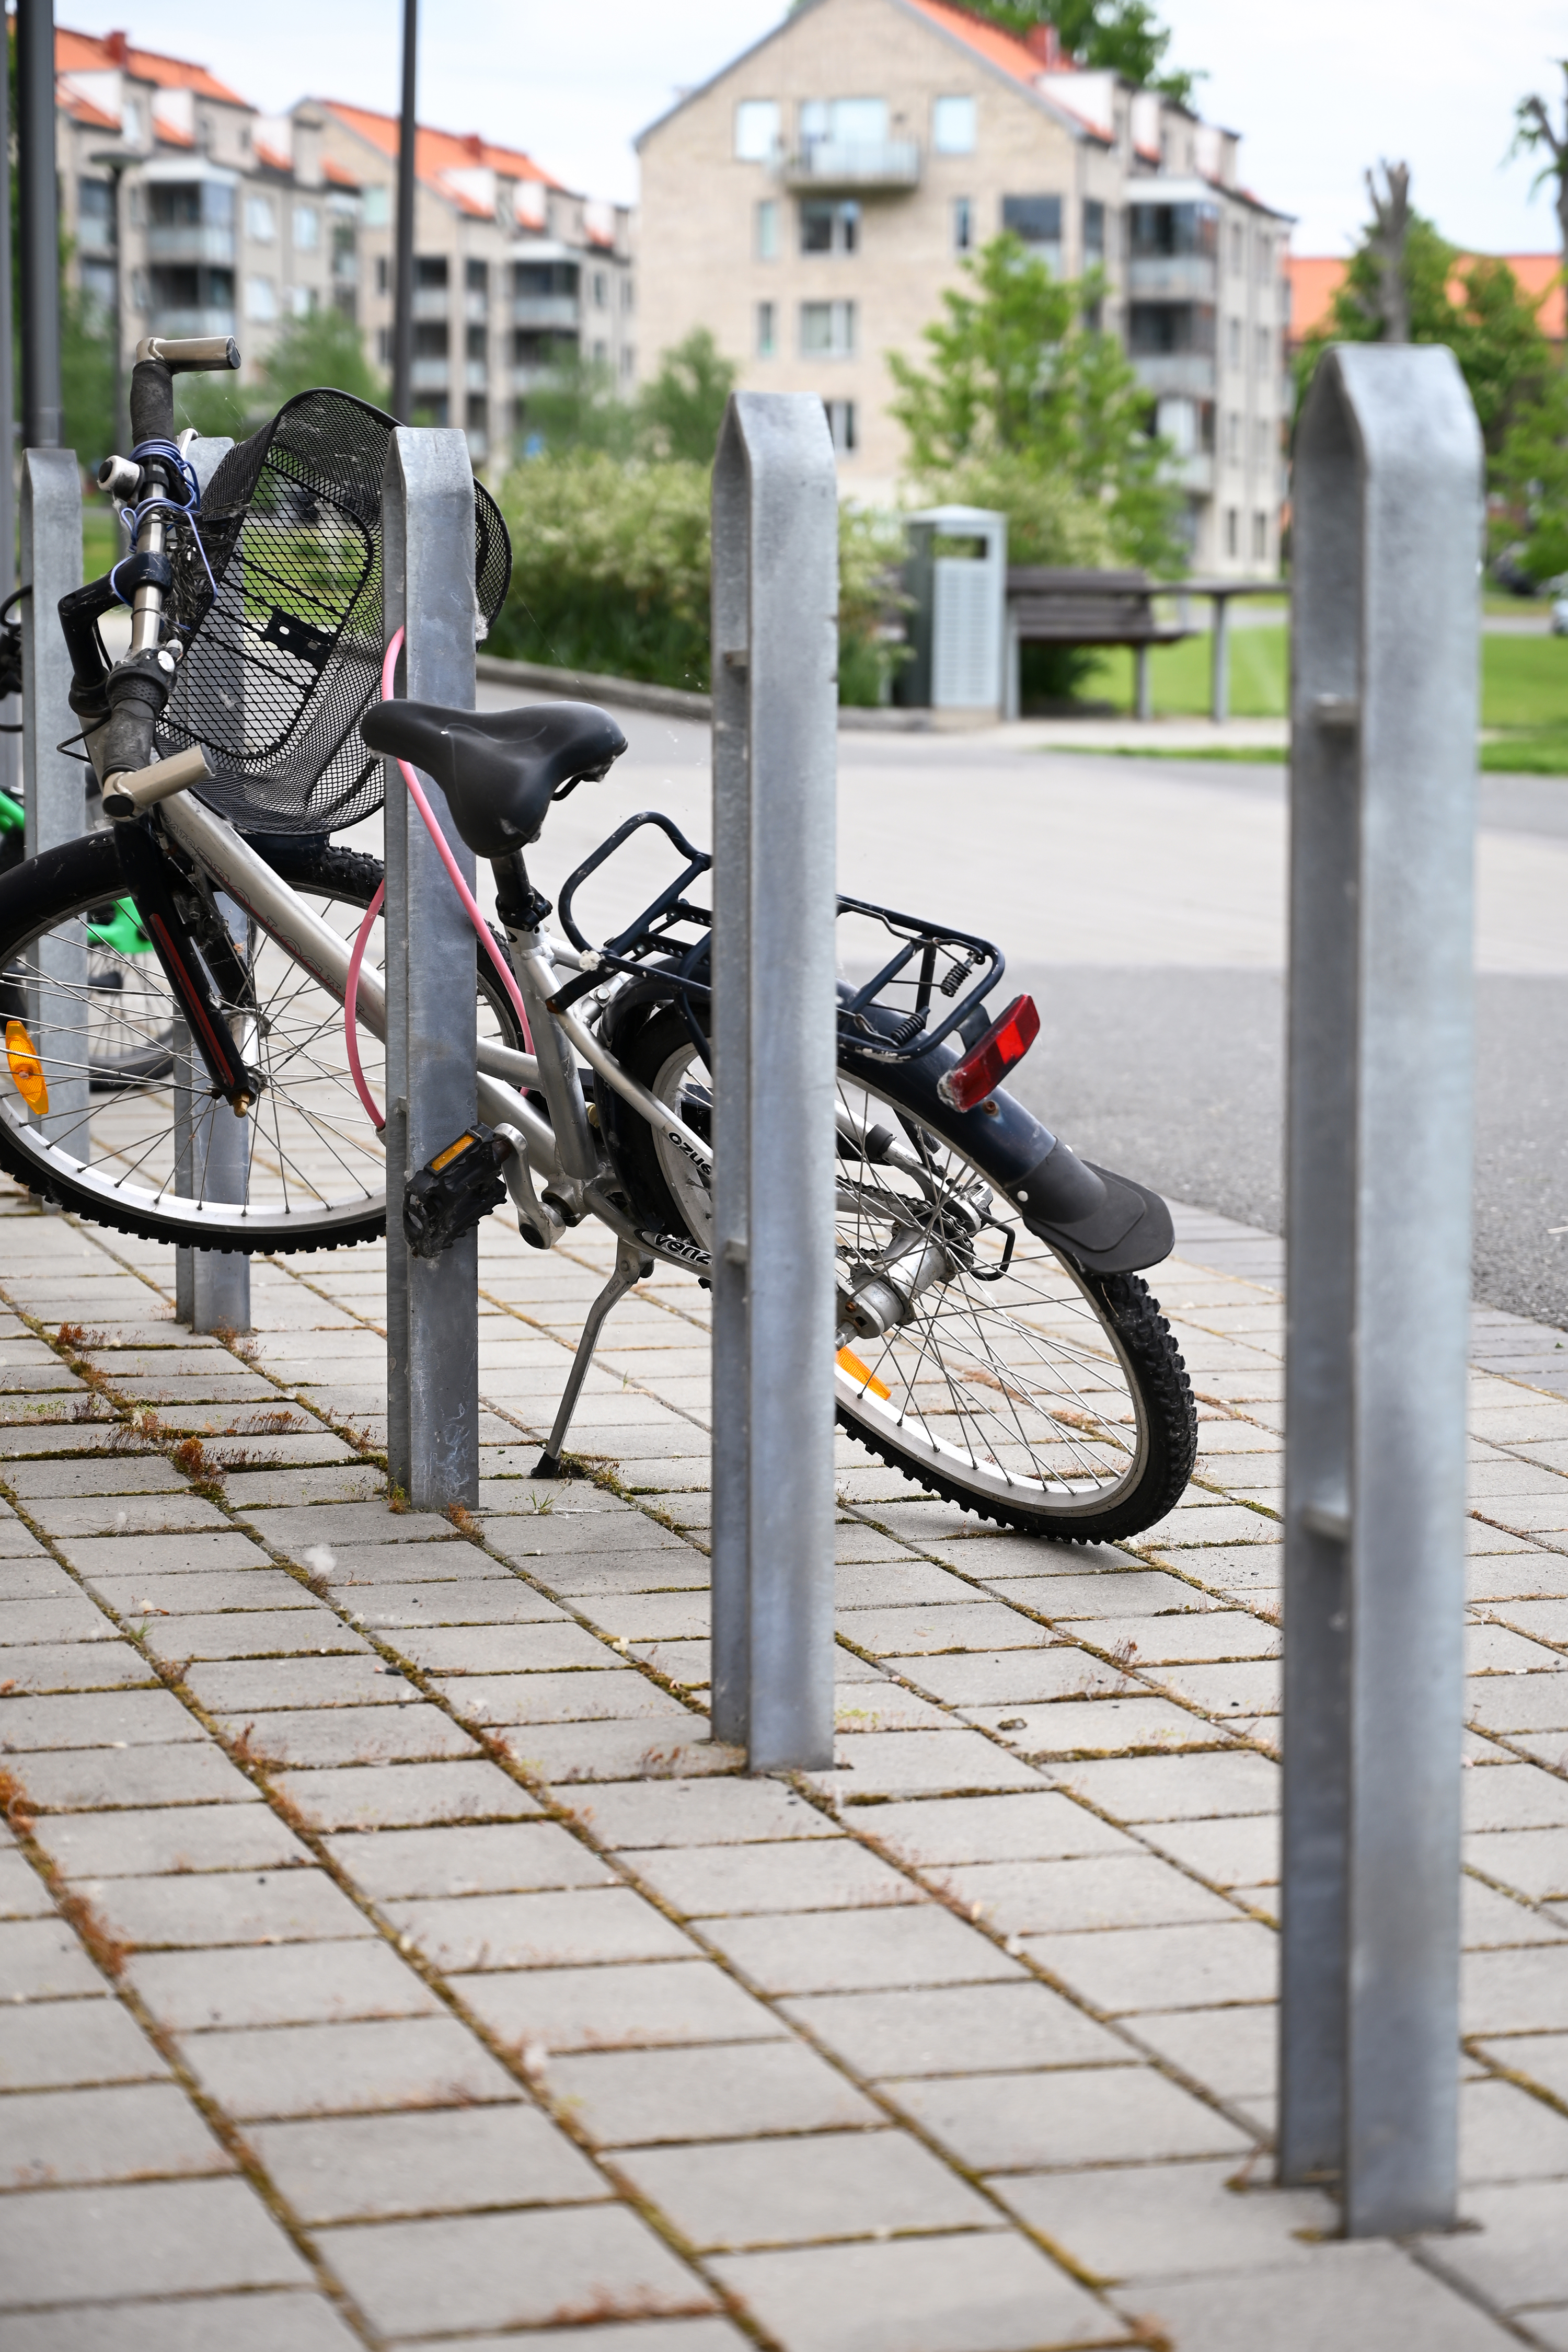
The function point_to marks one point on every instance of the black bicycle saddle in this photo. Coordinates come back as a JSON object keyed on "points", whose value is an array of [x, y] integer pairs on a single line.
{"points": [[498, 769]]}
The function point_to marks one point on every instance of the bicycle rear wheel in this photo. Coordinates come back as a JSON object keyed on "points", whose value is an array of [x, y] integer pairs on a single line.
{"points": [[106, 1150]]}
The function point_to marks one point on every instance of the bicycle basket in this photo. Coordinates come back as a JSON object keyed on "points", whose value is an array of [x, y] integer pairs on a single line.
{"points": [[282, 664]]}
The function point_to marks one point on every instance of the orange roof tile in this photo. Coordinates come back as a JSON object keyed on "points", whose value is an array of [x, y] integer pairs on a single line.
{"points": [[1004, 50], [82, 111], [336, 177], [95, 53], [271, 158], [439, 151], [1316, 278]]}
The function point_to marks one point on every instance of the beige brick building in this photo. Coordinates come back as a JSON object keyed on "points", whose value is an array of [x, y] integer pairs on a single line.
{"points": [[811, 202]]}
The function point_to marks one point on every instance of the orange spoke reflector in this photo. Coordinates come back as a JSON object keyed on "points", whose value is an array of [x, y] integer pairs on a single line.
{"points": [[26, 1070], [848, 1361]]}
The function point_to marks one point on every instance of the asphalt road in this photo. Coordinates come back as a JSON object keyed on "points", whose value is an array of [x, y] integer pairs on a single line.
{"points": [[1142, 904]]}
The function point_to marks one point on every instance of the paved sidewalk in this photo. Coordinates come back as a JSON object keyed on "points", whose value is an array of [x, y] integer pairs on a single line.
{"points": [[389, 1957]]}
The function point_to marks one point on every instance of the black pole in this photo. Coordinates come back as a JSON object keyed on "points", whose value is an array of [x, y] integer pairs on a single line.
{"points": [[403, 318], [117, 163], [8, 419], [43, 423]]}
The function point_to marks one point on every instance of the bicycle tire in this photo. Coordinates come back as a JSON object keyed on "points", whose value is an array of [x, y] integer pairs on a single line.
{"points": [[1130, 1368], [79, 879]]}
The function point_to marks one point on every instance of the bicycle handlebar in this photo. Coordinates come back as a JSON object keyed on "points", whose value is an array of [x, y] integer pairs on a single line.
{"points": [[158, 362], [196, 353]]}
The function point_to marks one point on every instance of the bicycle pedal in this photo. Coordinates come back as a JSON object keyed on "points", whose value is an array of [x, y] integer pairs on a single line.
{"points": [[453, 1191]]}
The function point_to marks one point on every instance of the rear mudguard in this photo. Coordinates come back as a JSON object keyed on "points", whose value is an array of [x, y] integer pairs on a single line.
{"points": [[1104, 1224]]}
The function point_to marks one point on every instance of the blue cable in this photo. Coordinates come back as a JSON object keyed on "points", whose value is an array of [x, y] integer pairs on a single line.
{"points": [[187, 510]]}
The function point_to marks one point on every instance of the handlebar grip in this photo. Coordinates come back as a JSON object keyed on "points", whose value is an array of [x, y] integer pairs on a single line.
{"points": [[151, 402], [203, 352]]}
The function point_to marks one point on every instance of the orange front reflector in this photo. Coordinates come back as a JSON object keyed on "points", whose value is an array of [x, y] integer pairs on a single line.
{"points": [[848, 1361], [26, 1070]]}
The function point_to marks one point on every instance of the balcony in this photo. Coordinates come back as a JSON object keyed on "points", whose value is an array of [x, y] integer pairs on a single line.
{"points": [[1189, 374], [1173, 278], [476, 375], [842, 164], [429, 375], [191, 241], [476, 306], [179, 324], [1195, 474], [430, 302], [545, 310]]}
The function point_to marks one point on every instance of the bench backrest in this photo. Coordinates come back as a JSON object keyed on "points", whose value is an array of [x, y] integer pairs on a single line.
{"points": [[1080, 607]]}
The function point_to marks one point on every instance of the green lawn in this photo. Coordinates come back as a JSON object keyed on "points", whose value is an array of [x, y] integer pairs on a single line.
{"points": [[1524, 689], [100, 536]]}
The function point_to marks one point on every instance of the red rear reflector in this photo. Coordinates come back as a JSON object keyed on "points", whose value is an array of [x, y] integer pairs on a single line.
{"points": [[985, 1065]]}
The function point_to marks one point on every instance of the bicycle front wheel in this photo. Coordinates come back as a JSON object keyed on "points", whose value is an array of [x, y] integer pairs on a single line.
{"points": [[98, 1128]]}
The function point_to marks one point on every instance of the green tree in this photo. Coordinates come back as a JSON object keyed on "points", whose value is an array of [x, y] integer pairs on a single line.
{"points": [[1124, 36], [87, 374], [575, 405], [1024, 390], [679, 413], [321, 351], [1530, 484]]}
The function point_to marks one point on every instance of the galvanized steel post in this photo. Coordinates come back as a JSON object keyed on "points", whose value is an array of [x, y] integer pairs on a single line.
{"points": [[432, 1306], [775, 771], [54, 785], [1385, 611]]}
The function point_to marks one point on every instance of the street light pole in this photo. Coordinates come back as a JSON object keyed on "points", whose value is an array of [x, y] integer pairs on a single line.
{"points": [[402, 315], [43, 422], [116, 163]]}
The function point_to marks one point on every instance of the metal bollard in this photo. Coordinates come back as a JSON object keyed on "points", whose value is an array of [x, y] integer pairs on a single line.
{"points": [[774, 769], [54, 787], [1384, 659], [212, 1288], [432, 1307]]}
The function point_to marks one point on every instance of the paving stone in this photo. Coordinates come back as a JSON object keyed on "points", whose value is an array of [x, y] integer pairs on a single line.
{"points": [[1026, 1676], [71, 1720], [66, 2245], [107, 1663], [97, 1780], [497, 1858], [640, 2098], [269, 1685], [259, 2322], [1488, 1918], [607, 1580], [987, 1626], [1172, 2221], [1126, 1968], [1507, 2135], [789, 1875], [377, 1796], [650, 1748], [69, 1616], [53, 2045], [1534, 1862], [107, 1473], [35, 1579], [1518, 1702], [1239, 1851], [340, 1525], [904, 1583], [1366, 2293], [383, 1566], [608, 1695], [1517, 1991], [634, 1814], [188, 1910], [345, 2069], [537, 1931], [128, 1515], [782, 2192], [364, 2167], [413, 1732], [464, 1601], [63, 2137], [194, 1591], [1177, 1788], [844, 1951], [94, 1557], [951, 2029], [1020, 1898], [1068, 2117], [1131, 1592], [1233, 2052], [285, 1635], [40, 1959], [651, 2003], [280, 1984], [917, 2294], [347, 1481], [503, 1649], [23, 1894], [1514, 1797], [1040, 1827], [901, 1763], [1246, 1690], [509, 2270], [174, 1838]]}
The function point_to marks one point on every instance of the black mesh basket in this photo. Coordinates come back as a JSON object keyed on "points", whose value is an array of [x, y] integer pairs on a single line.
{"points": [[280, 666]]}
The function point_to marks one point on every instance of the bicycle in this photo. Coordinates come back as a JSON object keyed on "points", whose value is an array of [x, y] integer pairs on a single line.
{"points": [[995, 1341]]}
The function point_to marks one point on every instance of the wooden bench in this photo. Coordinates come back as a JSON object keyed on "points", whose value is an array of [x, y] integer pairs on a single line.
{"points": [[1049, 608]]}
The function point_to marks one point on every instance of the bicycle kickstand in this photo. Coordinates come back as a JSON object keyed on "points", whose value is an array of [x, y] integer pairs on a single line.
{"points": [[631, 1268]]}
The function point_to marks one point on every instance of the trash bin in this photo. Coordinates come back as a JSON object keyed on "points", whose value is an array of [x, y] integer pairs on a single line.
{"points": [[956, 579]]}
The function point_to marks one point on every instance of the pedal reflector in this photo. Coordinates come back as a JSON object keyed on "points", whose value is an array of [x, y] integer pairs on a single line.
{"points": [[26, 1070], [849, 1361], [986, 1064]]}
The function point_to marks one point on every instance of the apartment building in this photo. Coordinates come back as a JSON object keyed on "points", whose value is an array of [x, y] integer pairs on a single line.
{"points": [[811, 202], [188, 212]]}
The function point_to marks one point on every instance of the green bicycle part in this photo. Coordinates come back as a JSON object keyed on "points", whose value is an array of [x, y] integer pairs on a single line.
{"points": [[124, 934], [13, 816]]}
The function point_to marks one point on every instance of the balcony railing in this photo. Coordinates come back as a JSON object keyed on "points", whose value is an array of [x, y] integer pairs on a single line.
{"points": [[544, 310], [1189, 373], [179, 324], [430, 302], [191, 241], [476, 375], [1173, 278], [430, 375], [836, 163]]}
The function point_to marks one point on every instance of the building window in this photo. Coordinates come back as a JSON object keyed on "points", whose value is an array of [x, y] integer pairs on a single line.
{"points": [[1233, 342], [1093, 234], [844, 122], [963, 225], [479, 413], [1166, 232], [767, 331], [430, 272], [100, 285], [829, 227], [477, 278], [260, 219], [475, 343], [767, 232], [384, 345], [345, 251], [345, 302], [1037, 220], [307, 228], [383, 273], [376, 207], [1261, 438], [841, 425], [430, 338], [1264, 347], [96, 225], [601, 356], [1232, 532], [1262, 258], [261, 298], [1259, 538], [628, 362], [1232, 438], [756, 130], [601, 290], [1159, 330], [827, 329], [952, 126], [1237, 249], [626, 294], [303, 301], [533, 280]]}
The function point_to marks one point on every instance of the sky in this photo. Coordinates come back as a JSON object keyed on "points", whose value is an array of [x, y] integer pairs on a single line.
{"points": [[1319, 91]]}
